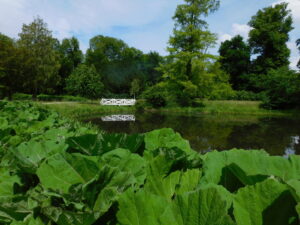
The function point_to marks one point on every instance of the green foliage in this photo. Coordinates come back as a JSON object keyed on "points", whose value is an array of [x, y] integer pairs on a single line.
{"points": [[135, 87], [212, 81], [247, 96], [56, 172], [190, 39], [44, 59], [269, 37], [235, 60], [120, 64], [43, 97], [85, 82], [282, 89], [70, 57], [21, 96], [12, 60]]}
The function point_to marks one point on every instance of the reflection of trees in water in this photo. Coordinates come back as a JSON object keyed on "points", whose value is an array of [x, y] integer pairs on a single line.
{"points": [[207, 132]]}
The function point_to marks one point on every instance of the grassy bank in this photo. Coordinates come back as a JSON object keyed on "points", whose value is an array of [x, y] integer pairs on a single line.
{"points": [[87, 110], [228, 107], [82, 110]]}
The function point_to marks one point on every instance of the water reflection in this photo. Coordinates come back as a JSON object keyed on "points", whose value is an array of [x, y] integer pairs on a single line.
{"points": [[118, 118], [278, 136]]}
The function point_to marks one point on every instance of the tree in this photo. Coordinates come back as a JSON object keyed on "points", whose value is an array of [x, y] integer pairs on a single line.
{"points": [[70, 57], [13, 63], [235, 60], [41, 48], [269, 36], [86, 82], [135, 87], [282, 89], [150, 64], [117, 62], [298, 44], [191, 37]]}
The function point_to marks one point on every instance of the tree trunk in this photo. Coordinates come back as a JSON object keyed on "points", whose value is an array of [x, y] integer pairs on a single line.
{"points": [[189, 69]]}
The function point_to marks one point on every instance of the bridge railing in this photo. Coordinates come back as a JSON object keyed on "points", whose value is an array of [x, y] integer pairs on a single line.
{"points": [[119, 102]]}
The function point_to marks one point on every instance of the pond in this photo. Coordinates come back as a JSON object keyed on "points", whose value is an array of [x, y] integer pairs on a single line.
{"points": [[276, 135]]}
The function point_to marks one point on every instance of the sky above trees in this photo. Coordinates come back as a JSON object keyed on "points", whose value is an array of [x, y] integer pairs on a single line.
{"points": [[143, 24]]}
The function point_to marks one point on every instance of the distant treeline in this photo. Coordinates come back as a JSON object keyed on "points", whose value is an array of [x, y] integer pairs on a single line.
{"points": [[256, 69]]}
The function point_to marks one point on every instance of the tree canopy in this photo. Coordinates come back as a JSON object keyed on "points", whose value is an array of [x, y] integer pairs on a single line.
{"points": [[191, 37], [85, 82], [44, 59], [269, 36], [235, 60]]}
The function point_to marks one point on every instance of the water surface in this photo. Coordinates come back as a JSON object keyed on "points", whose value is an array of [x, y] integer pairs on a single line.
{"points": [[278, 136]]}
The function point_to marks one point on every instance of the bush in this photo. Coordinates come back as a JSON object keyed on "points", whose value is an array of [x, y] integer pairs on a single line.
{"points": [[247, 96], [49, 98], [22, 97], [85, 82], [282, 89]]}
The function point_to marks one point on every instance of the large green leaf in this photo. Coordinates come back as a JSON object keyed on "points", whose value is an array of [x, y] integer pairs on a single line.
{"points": [[106, 187], [165, 138], [126, 161], [13, 211], [61, 171], [30, 154], [29, 221], [269, 202], [98, 144], [141, 208], [202, 207], [205, 206], [177, 182], [237, 168], [7, 183]]}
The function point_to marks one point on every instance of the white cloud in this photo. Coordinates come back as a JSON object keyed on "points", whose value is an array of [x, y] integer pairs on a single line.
{"points": [[241, 29], [236, 29], [294, 6], [86, 17], [294, 54], [224, 37]]}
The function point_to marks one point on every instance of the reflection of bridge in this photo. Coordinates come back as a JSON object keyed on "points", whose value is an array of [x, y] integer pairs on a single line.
{"points": [[119, 102], [118, 118]]}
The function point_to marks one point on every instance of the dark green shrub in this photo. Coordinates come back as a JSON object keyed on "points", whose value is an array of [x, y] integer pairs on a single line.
{"points": [[43, 97], [282, 89], [73, 98], [85, 82], [247, 96], [49, 98], [141, 105], [198, 103], [21, 96]]}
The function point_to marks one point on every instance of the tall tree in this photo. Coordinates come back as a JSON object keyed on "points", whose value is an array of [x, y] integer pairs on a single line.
{"points": [[269, 36], [70, 57], [191, 37], [298, 44], [8, 80], [86, 82], [116, 62], [41, 46], [13, 64], [235, 60]]}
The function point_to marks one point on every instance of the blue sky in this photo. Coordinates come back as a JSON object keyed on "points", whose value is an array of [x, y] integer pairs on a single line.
{"points": [[144, 24]]}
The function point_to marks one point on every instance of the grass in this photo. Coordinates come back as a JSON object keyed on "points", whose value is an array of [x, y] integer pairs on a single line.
{"points": [[92, 109], [227, 107], [77, 110]]}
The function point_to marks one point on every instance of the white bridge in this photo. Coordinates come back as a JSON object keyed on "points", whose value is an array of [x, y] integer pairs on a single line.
{"points": [[119, 102], [113, 118]]}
